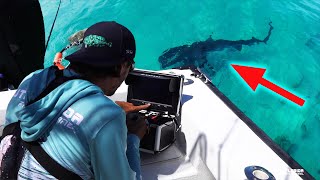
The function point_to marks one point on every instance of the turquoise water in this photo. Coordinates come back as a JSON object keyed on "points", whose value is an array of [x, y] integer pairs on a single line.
{"points": [[291, 56]]}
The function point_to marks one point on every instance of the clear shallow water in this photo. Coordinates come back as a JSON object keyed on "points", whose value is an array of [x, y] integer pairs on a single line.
{"points": [[291, 56]]}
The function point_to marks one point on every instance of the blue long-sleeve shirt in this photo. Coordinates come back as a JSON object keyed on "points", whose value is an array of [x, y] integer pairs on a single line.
{"points": [[80, 128]]}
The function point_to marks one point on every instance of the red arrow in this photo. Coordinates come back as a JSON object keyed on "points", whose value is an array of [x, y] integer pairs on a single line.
{"points": [[253, 76]]}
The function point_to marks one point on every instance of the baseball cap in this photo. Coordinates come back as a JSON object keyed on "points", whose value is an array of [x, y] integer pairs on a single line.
{"points": [[105, 44]]}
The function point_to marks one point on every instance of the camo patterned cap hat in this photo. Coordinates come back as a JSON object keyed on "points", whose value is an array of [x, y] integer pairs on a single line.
{"points": [[105, 44]]}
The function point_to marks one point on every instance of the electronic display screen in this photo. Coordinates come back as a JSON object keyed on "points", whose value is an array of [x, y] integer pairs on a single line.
{"points": [[156, 90]]}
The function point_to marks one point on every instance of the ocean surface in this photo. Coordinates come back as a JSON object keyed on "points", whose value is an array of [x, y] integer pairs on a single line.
{"points": [[291, 54]]}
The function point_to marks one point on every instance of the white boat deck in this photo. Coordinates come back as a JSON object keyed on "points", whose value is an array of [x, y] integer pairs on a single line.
{"points": [[214, 142], [214, 139]]}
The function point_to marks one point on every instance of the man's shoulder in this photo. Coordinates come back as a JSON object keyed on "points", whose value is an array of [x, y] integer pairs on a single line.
{"points": [[96, 102], [98, 107]]}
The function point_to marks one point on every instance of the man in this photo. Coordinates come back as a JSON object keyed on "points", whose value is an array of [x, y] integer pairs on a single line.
{"points": [[76, 124]]}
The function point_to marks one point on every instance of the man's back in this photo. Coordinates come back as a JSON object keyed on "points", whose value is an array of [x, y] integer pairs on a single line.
{"points": [[77, 125]]}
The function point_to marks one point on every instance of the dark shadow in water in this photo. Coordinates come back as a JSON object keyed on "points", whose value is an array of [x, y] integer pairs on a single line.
{"points": [[195, 54]]}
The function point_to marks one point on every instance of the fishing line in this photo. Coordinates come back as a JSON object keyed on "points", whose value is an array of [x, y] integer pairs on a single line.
{"points": [[54, 21]]}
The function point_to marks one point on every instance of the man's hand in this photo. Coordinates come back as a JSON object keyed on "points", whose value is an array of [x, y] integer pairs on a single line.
{"points": [[129, 107], [136, 125]]}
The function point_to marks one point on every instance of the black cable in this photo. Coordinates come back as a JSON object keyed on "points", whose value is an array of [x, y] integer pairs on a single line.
{"points": [[54, 21]]}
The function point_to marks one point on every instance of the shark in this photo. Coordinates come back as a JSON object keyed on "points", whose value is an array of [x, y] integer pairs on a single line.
{"points": [[195, 54]]}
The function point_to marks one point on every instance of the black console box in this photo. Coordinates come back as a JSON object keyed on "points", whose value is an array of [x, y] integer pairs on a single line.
{"points": [[163, 91]]}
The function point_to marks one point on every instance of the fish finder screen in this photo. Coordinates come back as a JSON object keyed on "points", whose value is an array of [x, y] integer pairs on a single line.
{"points": [[155, 90]]}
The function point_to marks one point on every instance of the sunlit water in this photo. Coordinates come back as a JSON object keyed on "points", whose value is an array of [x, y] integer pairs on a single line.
{"points": [[291, 56]]}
